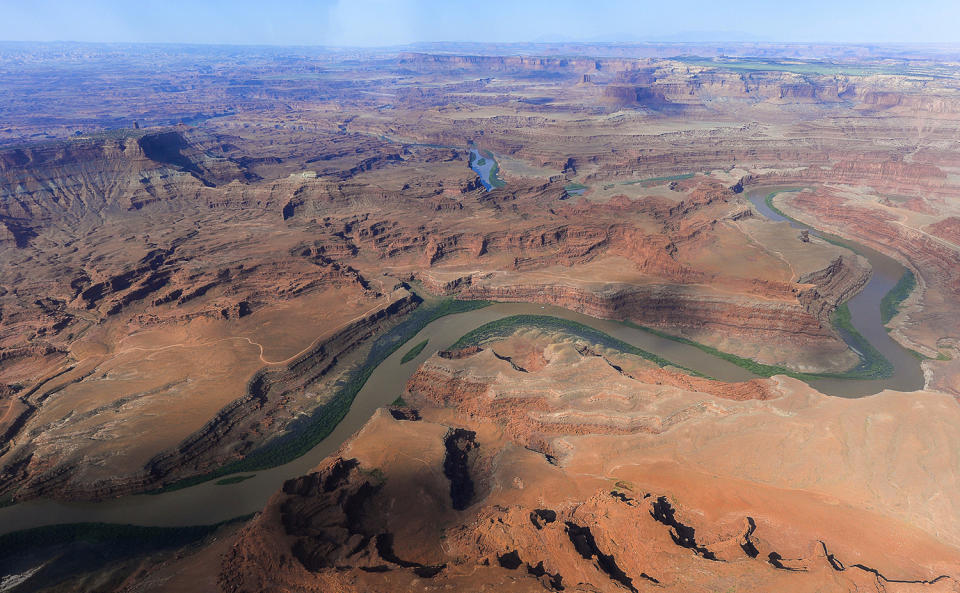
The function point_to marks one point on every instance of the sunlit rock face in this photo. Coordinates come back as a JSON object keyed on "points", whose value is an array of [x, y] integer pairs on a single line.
{"points": [[541, 461], [177, 294]]}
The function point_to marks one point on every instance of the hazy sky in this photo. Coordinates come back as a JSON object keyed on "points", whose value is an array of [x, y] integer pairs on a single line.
{"points": [[385, 22]]}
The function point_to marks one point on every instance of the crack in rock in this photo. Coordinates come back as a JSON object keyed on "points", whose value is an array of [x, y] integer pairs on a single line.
{"points": [[683, 535]]}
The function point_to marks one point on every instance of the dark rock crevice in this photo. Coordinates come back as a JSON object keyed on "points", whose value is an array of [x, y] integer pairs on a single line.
{"points": [[384, 545], [339, 473], [553, 581], [409, 414], [456, 466], [584, 350], [747, 545], [682, 535], [586, 546], [838, 566], [647, 577], [540, 517], [510, 560], [515, 366], [776, 560]]}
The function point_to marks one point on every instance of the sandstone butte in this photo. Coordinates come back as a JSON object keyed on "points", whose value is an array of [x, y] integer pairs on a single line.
{"points": [[176, 296]]}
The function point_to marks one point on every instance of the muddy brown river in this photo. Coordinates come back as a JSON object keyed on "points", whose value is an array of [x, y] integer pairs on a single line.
{"points": [[210, 503], [864, 315]]}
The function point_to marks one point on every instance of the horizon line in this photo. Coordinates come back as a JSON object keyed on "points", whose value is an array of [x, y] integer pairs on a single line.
{"points": [[951, 44]]}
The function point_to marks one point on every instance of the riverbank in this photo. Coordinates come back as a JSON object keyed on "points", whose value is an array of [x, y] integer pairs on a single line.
{"points": [[382, 380], [487, 168], [508, 325], [304, 434], [859, 321]]}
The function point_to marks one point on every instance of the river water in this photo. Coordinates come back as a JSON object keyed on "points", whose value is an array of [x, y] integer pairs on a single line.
{"points": [[209, 503], [864, 314], [483, 170]]}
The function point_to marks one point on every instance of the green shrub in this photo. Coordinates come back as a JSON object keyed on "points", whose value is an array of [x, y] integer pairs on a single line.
{"points": [[413, 352]]}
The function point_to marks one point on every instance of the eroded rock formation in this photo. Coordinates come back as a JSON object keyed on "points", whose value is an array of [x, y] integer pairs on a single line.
{"points": [[612, 512]]}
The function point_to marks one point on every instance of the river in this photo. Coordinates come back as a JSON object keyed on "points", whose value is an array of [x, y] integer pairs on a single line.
{"points": [[209, 503], [484, 166], [864, 314]]}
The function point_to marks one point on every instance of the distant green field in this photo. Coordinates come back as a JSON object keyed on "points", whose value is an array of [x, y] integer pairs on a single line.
{"points": [[913, 70], [796, 66]]}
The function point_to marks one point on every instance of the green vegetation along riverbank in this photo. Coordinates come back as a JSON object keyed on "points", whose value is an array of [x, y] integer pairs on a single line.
{"points": [[304, 433], [233, 480], [413, 352], [835, 240], [64, 557], [112, 533], [890, 303], [494, 177], [491, 175], [502, 328], [873, 365]]}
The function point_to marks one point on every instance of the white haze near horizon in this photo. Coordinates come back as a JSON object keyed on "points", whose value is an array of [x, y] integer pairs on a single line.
{"points": [[371, 23]]}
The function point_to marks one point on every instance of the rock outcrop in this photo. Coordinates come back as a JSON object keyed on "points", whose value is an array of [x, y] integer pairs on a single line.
{"points": [[670, 509]]}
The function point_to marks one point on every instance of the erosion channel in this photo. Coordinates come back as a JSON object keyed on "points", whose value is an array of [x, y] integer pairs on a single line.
{"points": [[210, 502]]}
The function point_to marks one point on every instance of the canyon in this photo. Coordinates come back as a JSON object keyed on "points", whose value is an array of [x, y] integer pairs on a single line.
{"points": [[558, 491], [202, 266]]}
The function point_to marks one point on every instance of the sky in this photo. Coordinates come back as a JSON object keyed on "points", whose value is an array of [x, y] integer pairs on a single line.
{"points": [[371, 23]]}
